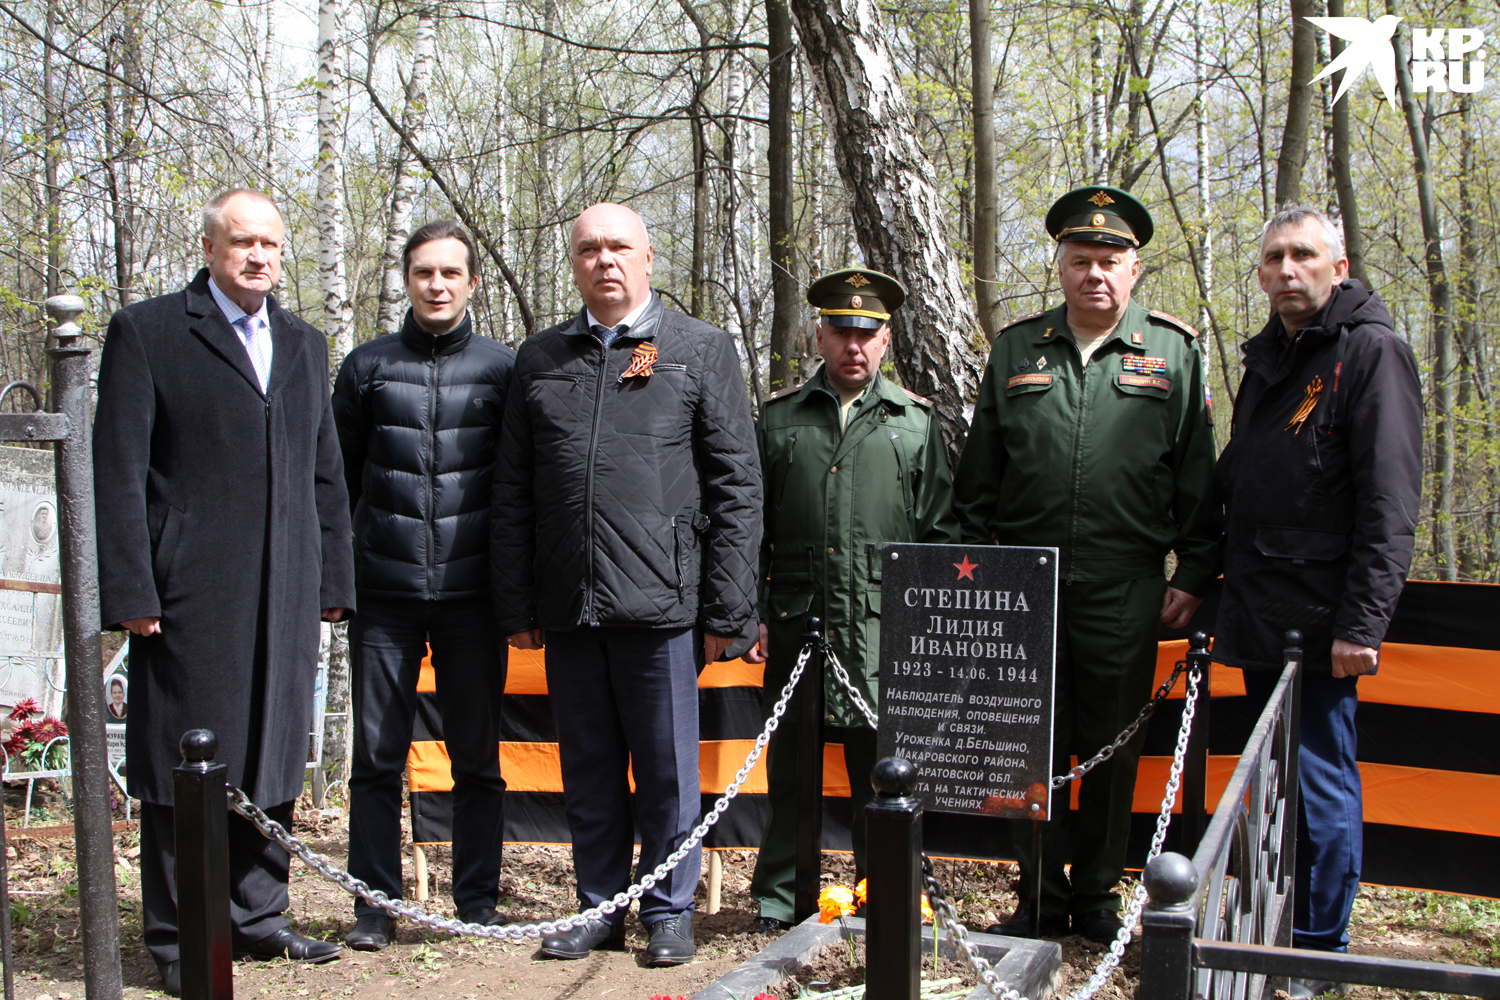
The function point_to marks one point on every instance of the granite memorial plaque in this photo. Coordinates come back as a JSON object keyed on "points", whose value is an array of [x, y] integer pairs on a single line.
{"points": [[967, 652]]}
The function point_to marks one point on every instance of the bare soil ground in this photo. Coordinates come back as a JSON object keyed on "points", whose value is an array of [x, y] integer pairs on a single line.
{"points": [[537, 884]]}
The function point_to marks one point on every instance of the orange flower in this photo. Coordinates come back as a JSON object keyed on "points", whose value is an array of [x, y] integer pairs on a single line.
{"points": [[926, 910], [859, 891], [834, 902]]}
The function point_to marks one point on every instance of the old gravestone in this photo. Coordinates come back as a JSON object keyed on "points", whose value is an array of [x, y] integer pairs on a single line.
{"points": [[967, 650], [30, 580]]}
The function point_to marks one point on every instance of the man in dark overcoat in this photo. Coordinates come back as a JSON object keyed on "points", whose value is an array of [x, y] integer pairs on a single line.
{"points": [[223, 533]]}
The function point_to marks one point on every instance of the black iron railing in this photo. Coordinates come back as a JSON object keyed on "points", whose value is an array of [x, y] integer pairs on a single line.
{"points": [[1218, 926]]}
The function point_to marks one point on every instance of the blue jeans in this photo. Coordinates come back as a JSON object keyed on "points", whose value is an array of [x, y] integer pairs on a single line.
{"points": [[1330, 813]]}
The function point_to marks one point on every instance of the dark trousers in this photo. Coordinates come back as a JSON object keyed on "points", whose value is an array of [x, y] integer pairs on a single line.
{"points": [[1330, 813], [1106, 661], [628, 698], [257, 879], [774, 883], [387, 641]]}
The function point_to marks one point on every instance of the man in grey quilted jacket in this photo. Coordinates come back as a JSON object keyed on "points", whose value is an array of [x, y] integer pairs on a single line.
{"points": [[626, 527]]}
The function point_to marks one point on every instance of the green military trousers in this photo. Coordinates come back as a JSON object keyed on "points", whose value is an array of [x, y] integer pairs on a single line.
{"points": [[773, 884], [1106, 661]]}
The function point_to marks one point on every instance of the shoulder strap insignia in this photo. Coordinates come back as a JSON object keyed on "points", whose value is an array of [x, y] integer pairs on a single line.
{"points": [[1018, 322], [923, 400], [1171, 320], [779, 393]]}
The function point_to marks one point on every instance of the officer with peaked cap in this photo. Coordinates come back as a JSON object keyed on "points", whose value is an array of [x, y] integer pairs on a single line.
{"points": [[1092, 433], [851, 461]]}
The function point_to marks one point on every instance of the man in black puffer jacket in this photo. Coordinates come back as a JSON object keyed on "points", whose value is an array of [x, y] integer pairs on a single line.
{"points": [[626, 519], [418, 416]]}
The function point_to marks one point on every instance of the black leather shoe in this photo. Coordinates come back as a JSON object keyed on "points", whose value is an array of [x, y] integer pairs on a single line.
{"points": [[1019, 925], [1306, 989], [171, 977], [486, 916], [1099, 926], [578, 942], [770, 925], [371, 932], [672, 940], [287, 943]]}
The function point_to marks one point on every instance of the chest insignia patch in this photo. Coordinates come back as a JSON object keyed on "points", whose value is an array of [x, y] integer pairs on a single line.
{"points": [[1023, 364], [1041, 363], [1143, 366], [1310, 397], [1035, 378], [641, 362], [1148, 381]]}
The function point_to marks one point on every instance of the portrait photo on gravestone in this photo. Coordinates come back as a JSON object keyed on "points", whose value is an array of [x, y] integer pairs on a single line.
{"points": [[967, 657]]}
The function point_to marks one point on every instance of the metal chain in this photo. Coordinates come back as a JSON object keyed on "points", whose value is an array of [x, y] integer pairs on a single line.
{"points": [[843, 678], [959, 935], [1074, 773], [1147, 710], [272, 830]]}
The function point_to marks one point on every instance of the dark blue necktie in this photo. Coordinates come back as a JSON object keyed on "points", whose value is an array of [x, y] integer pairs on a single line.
{"points": [[608, 334]]}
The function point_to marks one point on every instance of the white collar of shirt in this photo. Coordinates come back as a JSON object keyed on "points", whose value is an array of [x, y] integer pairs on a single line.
{"points": [[232, 310], [629, 320]]}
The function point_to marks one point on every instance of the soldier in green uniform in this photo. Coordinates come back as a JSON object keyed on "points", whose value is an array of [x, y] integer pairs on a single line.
{"points": [[851, 461], [1092, 433]]}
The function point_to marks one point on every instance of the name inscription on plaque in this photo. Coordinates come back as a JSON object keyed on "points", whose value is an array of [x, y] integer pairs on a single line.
{"points": [[967, 654]]}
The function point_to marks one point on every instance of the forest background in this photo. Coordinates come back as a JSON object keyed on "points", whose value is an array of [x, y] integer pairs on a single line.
{"points": [[765, 143]]}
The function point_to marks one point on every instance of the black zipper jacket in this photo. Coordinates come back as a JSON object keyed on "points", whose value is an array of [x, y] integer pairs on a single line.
{"points": [[627, 501], [1322, 482], [419, 417]]}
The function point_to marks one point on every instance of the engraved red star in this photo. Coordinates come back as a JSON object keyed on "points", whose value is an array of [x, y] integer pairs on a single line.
{"points": [[965, 569]]}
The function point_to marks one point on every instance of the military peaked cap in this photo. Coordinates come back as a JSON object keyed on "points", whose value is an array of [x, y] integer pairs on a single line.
{"points": [[1099, 214], [856, 297]]}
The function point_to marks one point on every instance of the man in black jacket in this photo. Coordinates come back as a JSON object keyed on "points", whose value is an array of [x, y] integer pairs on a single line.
{"points": [[626, 523], [1321, 478], [223, 533], [418, 416]]}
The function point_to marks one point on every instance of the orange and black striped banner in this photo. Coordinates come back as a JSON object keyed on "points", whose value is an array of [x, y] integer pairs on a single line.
{"points": [[1429, 751]]}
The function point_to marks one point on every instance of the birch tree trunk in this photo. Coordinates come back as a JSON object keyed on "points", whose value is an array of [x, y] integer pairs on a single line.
{"points": [[898, 215], [404, 182], [1441, 295], [337, 309], [737, 322]]}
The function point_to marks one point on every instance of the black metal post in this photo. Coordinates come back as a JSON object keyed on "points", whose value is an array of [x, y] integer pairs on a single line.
{"points": [[1291, 656], [98, 909], [808, 706], [201, 823], [1167, 929], [893, 860], [1036, 865], [1195, 766]]}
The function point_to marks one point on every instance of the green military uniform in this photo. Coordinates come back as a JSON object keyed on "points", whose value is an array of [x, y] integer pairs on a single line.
{"points": [[1111, 462], [833, 498]]}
